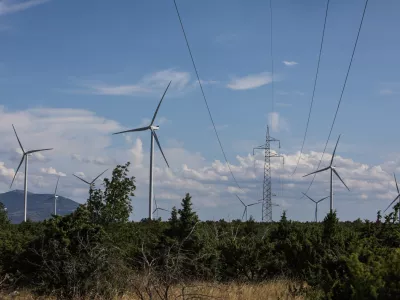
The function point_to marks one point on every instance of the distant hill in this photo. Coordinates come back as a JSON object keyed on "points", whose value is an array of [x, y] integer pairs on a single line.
{"points": [[40, 206]]}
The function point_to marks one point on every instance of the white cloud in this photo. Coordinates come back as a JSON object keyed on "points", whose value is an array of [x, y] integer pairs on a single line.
{"points": [[277, 122], [151, 83], [250, 81], [101, 161], [52, 171], [13, 6], [209, 181], [290, 63]]}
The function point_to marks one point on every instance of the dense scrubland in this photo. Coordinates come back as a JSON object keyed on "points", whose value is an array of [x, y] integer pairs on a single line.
{"points": [[95, 253]]}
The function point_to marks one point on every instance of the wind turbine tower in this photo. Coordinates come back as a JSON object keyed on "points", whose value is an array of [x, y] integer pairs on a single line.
{"points": [[153, 136], [55, 197], [25, 155], [267, 184]]}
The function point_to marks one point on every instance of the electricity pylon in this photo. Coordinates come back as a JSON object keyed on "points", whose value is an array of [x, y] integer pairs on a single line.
{"points": [[267, 185]]}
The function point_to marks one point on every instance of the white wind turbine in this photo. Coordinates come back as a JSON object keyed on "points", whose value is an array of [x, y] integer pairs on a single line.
{"points": [[397, 198], [55, 197], [91, 183], [316, 204], [153, 135], [25, 155], [332, 170], [246, 206], [158, 208]]}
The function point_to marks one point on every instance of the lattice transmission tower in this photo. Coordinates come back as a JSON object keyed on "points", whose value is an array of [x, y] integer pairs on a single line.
{"points": [[267, 184]]}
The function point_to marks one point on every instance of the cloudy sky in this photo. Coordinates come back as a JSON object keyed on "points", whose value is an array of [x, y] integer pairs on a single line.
{"points": [[73, 72]]}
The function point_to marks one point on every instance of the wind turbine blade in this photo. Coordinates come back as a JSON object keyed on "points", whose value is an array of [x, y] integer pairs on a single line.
{"points": [[163, 209], [81, 179], [322, 199], [308, 197], [155, 202], [392, 203], [254, 204], [55, 191], [50, 198], [159, 146], [337, 174], [240, 200], [19, 142], [159, 104], [334, 151], [155, 210], [38, 150], [318, 171], [397, 186], [132, 130], [98, 176], [16, 172]]}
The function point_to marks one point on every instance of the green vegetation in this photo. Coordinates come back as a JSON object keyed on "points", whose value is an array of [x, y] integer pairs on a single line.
{"points": [[96, 252]]}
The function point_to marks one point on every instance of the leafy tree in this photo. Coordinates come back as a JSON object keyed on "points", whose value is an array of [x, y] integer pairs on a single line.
{"points": [[113, 205]]}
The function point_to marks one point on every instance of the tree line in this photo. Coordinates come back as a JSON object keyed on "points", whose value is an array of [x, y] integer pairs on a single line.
{"points": [[96, 252]]}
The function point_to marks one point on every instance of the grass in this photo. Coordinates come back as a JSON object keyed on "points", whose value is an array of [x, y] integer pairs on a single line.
{"points": [[273, 290]]}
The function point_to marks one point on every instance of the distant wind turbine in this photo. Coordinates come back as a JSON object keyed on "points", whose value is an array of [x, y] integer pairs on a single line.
{"points": [[25, 155], [153, 134], [158, 208], [55, 197], [316, 205], [246, 206], [332, 170], [397, 198], [91, 183]]}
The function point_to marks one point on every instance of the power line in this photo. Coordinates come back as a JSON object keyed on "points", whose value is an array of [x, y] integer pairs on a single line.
{"points": [[204, 96], [341, 95], [315, 84], [272, 57]]}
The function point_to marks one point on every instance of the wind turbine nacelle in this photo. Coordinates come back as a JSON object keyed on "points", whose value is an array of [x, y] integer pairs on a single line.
{"points": [[154, 127]]}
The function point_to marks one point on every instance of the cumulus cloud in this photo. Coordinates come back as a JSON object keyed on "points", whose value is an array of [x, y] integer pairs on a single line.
{"points": [[290, 63], [208, 180], [101, 161], [251, 81], [52, 171]]}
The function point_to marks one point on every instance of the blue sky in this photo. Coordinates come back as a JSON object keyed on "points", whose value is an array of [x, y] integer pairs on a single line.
{"points": [[72, 72]]}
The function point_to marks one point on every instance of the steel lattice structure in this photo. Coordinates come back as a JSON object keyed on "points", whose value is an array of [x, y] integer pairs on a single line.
{"points": [[267, 184]]}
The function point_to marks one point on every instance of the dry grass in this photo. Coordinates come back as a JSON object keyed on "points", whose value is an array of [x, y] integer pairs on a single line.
{"points": [[274, 290]]}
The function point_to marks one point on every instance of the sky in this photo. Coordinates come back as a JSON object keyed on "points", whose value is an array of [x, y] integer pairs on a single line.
{"points": [[74, 72]]}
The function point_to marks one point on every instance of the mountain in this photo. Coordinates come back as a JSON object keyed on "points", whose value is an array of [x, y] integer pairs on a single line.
{"points": [[40, 206]]}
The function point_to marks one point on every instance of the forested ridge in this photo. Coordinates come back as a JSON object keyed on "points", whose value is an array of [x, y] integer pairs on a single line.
{"points": [[97, 252]]}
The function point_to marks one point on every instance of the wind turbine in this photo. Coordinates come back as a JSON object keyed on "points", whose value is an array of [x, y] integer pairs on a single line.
{"points": [[153, 135], [316, 205], [398, 196], [332, 170], [158, 208], [91, 183], [55, 197], [246, 206], [25, 155]]}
